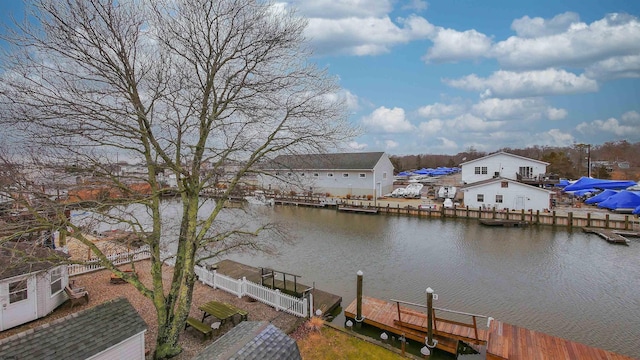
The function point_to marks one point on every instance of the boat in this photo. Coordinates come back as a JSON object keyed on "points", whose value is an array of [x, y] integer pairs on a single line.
{"points": [[399, 192], [259, 198], [447, 192], [413, 190]]}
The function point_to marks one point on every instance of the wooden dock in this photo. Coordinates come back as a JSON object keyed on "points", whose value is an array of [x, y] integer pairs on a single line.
{"points": [[323, 300], [401, 320], [503, 222], [512, 342], [358, 209], [299, 203], [609, 235]]}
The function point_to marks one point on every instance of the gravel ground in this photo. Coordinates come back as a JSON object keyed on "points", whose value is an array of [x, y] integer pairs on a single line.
{"points": [[101, 290]]}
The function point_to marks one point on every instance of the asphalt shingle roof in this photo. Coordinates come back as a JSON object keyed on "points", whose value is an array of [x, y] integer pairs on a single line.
{"points": [[77, 336], [341, 161], [17, 258], [252, 340]]}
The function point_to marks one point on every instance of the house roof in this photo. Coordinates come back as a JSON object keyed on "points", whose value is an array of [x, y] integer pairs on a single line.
{"points": [[18, 258], [338, 161], [252, 340], [503, 153], [501, 179], [77, 336]]}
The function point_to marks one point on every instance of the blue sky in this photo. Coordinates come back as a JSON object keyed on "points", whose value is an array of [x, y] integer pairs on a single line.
{"points": [[443, 76]]}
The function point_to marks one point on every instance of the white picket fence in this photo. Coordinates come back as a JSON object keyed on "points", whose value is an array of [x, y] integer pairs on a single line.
{"points": [[243, 287], [141, 253]]}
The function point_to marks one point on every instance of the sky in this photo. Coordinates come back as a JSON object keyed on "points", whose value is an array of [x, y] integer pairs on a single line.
{"points": [[446, 76]]}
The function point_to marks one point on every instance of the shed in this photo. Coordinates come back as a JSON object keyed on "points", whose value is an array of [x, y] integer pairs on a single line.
{"points": [[112, 330], [358, 174], [32, 282], [252, 340]]}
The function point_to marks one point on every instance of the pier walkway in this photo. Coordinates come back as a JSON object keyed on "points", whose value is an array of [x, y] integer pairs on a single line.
{"points": [[323, 300], [610, 235]]}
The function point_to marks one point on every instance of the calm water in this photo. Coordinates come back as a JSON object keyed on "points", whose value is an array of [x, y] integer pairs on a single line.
{"points": [[572, 285]]}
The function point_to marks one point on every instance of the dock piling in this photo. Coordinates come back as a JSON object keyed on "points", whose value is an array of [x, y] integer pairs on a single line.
{"points": [[359, 303], [431, 343]]}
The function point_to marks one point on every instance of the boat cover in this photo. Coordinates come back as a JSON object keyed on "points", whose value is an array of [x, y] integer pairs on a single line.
{"points": [[622, 200], [636, 211], [589, 183], [600, 197]]}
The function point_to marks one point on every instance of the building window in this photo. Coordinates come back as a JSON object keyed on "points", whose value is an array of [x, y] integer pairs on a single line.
{"points": [[504, 184], [526, 172], [362, 175], [56, 280], [345, 175], [329, 174], [316, 174], [477, 170], [499, 199], [480, 198], [17, 291], [384, 175], [484, 170]]}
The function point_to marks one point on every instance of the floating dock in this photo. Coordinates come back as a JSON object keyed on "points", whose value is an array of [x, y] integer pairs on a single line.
{"points": [[401, 320], [609, 235], [358, 209], [503, 222], [299, 203]]}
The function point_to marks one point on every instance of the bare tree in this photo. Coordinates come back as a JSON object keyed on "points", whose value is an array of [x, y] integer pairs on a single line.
{"points": [[178, 84]]}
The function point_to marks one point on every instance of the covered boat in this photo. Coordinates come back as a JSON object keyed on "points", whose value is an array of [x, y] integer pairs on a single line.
{"points": [[600, 197], [590, 183], [622, 201]]}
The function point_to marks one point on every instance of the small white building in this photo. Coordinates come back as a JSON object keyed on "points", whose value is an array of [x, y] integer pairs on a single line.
{"points": [[32, 282], [503, 193], [112, 330], [503, 165], [341, 174]]}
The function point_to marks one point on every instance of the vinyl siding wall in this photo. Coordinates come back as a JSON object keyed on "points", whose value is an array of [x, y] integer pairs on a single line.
{"points": [[507, 166], [516, 196]]}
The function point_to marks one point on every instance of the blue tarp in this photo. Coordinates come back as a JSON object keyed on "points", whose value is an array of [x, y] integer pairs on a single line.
{"points": [[405, 173], [636, 211], [583, 192], [589, 183], [562, 183], [600, 197], [622, 200]]}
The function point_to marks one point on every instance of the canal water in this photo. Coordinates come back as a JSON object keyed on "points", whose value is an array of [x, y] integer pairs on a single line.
{"points": [[568, 284]]}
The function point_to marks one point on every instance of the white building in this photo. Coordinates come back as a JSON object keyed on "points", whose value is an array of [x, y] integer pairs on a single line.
{"points": [[500, 180], [355, 174], [503, 193], [505, 165]]}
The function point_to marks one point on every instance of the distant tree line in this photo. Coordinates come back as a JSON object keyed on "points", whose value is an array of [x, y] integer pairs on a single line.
{"points": [[569, 162]]}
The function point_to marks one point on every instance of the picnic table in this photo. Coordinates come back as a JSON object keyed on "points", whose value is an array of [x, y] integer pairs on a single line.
{"points": [[221, 311]]}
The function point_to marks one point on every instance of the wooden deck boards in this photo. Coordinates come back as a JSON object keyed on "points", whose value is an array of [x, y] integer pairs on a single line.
{"points": [[512, 342], [609, 235], [412, 323]]}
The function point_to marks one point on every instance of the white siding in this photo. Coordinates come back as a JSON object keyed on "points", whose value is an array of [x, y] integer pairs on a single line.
{"points": [[506, 165], [515, 197], [129, 349], [46, 301]]}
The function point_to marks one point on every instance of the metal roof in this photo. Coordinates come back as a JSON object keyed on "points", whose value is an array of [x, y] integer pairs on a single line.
{"points": [[336, 161]]}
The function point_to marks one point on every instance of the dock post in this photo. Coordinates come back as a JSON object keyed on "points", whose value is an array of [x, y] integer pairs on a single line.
{"points": [[430, 342], [588, 219], [570, 220], [359, 317]]}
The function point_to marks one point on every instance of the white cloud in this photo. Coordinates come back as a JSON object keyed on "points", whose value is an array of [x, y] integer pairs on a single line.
{"points": [[431, 127], [516, 109], [615, 67], [342, 8], [440, 110], [388, 121], [447, 144], [451, 45], [356, 145], [629, 127], [364, 36], [554, 137], [556, 114], [527, 27], [417, 5], [390, 144], [631, 117], [509, 84], [579, 45], [469, 122]]}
